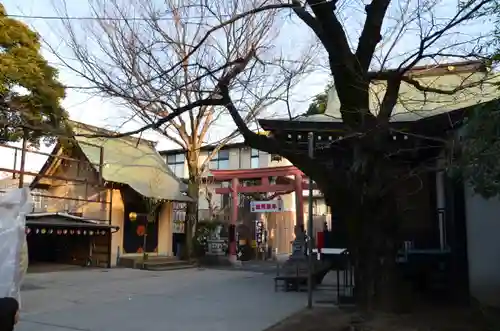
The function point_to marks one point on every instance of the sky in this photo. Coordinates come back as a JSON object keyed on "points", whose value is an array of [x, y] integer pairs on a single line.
{"points": [[95, 110], [293, 35]]}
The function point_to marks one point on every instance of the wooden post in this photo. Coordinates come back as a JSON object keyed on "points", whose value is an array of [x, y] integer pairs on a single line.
{"points": [[23, 158], [15, 164], [299, 200], [234, 218]]}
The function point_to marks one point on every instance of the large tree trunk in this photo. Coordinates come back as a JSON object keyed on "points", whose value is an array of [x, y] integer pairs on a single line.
{"points": [[371, 218], [192, 207], [373, 247]]}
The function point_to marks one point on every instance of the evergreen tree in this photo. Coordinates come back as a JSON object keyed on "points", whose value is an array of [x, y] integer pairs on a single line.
{"points": [[29, 91]]}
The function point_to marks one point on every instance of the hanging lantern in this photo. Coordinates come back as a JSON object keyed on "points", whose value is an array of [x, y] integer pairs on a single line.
{"points": [[65, 231], [50, 231], [141, 230], [91, 233], [103, 232], [78, 232], [43, 231], [84, 232], [71, 232], [28, 230], [59, 232], [37, 231]]}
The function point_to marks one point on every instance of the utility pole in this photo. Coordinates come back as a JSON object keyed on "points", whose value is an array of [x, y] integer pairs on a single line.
{"points": [[23, 158], [310, 140]]}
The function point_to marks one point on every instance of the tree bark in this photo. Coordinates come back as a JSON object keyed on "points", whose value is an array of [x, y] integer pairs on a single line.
{"points": [[192, 207], [371, 217]]}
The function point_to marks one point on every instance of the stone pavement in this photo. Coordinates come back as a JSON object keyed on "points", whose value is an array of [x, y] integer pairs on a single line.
{"points": [[126, 299]]}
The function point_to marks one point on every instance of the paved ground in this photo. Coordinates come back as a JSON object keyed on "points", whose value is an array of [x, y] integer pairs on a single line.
{"points": [[125, 299]]}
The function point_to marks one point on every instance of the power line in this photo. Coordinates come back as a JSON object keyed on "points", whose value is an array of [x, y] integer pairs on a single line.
{"points": [[101, 18], [96, 18]]}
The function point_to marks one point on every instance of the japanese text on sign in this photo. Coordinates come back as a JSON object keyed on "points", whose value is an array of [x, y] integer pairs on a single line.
{"points": [[259, 228], [266, 206]]}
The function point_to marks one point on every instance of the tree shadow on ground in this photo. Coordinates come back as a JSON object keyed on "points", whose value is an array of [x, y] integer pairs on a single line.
{"points": [[428, 318]]}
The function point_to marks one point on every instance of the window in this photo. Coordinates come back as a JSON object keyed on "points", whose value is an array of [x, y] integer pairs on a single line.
{"points": [[220, 160], [254, 159], [176, 164]]}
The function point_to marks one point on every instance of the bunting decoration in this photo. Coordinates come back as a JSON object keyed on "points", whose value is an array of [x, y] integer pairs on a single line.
{"points": [[64, 232]]}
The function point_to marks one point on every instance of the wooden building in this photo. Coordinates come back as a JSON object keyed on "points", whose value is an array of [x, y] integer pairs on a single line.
{"points": [[421, 127], [91, 186]]}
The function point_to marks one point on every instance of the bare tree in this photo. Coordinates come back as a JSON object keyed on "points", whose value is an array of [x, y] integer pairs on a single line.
{"points": [[155, 57], [393, 37], [362, 186]]}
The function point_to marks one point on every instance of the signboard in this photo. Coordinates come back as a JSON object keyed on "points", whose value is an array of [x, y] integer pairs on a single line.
{"points": [[178, 217], [271, 206], [216, 247], [259, 232]]}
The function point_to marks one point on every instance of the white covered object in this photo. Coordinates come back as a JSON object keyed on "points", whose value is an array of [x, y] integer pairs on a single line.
{"points": [[14, 206]]}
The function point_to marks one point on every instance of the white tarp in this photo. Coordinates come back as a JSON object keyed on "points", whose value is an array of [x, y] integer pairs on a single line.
{"points": [[14, 206]]}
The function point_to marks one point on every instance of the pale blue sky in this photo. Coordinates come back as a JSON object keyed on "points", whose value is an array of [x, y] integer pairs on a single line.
{"points": [[99, 112]]}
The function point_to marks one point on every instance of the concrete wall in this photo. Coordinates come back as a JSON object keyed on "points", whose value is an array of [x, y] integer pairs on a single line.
{"points": [[483, 247], [239, 158]]}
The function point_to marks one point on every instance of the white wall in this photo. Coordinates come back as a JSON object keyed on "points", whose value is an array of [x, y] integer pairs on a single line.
{"points": [[483, 247]]}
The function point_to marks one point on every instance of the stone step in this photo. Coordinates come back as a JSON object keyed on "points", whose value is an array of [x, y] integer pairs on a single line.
{"points": [[160, 267], [158, 263], [135, 262], [166, 260]]}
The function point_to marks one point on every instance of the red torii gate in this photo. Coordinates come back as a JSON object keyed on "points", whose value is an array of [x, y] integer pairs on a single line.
{"points": [[296, 185]]}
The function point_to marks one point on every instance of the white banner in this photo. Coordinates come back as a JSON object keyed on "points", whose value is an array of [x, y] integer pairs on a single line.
{"points": [[270, 206]]}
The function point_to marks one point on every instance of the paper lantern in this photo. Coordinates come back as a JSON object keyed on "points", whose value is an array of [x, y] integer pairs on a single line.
{"points": [[37, 231], [91, 233], [71, 232], [78, 232], [84, 232], [50, 231], [44, 231], [65, 231], [59, 232], [141, 230]]}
